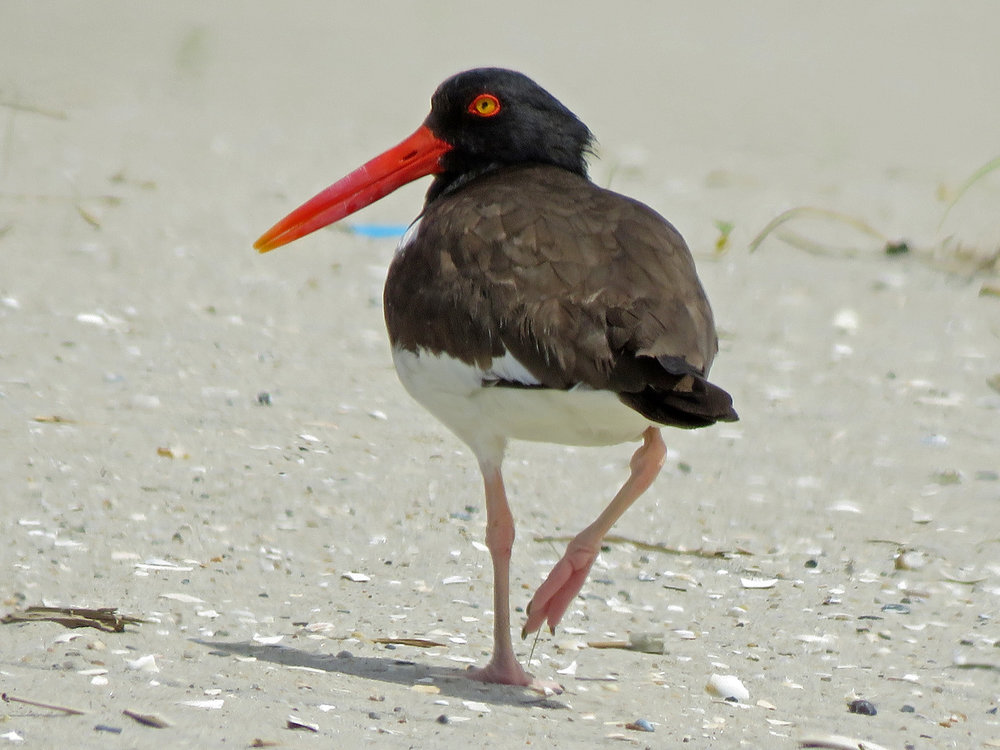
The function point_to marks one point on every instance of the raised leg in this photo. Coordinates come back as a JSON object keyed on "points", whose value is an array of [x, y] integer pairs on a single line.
{"points": [[503, 666], [553, 597]]}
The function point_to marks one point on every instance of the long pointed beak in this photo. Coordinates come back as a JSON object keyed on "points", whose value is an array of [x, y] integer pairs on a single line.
{"points": [[415, 157]]}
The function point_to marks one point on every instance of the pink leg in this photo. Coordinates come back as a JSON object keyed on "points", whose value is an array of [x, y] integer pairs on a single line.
{"points": [[503, 666], [553, 597]]}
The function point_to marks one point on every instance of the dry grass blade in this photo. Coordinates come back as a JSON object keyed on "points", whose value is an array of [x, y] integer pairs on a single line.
{"points": [[44, 112], [88, 217], [821, 213], [975, 177]]}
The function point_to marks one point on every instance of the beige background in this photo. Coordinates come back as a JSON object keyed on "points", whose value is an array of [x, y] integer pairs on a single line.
{"points": [[144, 146]]}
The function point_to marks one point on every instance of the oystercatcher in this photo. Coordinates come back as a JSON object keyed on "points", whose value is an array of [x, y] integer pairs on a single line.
{"points": [[527, 303]]}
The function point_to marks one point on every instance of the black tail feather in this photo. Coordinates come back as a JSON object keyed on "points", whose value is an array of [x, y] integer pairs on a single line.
{"points": [[681, 398]]}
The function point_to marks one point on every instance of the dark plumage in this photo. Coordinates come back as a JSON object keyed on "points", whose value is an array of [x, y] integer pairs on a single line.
{"points": [[620, 308], [529, 303]]}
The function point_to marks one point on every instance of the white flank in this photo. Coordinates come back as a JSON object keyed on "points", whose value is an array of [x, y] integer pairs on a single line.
{"points": [[485, 417]]}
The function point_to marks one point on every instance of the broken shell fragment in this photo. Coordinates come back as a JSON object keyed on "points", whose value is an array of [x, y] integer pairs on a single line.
{"points": [[727, 687]]}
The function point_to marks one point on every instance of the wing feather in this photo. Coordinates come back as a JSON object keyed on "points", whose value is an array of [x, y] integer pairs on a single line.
{"points": [[580, 285]]}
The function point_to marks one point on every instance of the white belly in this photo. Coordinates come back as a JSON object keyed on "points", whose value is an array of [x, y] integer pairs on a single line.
{"points": [[485, 417]]}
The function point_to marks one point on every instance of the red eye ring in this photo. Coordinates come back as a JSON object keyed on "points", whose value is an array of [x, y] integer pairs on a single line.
{"points": [[484, 105]]}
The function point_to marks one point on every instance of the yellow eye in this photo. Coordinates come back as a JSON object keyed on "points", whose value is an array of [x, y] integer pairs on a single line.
{"points": [[485, 105]]}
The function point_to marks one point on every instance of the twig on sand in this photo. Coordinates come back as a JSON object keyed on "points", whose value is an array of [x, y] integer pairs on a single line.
{"points": [[647, 547], [11, 699], [149, 720], [415, 642], [103, 618]]}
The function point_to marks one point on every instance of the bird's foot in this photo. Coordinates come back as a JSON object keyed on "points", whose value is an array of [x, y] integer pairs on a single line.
{"points": [[510, 672], [553, 597]]}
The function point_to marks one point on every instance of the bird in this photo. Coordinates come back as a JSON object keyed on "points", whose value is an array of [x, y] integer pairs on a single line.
{"points": [[525, 302]]}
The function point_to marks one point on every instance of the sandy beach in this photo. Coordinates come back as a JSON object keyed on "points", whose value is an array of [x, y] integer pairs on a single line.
{"points": [[214, 441]]}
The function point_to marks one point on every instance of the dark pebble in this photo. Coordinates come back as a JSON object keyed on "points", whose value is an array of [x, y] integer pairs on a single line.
{"points": [[907, 708], [106, 728], [264, 398], [374, 715], [900, 608], [897, 248], [812, 564], [442, 719], [863, 707]]}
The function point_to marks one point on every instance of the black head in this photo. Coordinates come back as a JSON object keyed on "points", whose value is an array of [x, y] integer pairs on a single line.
{"points": [[494, 117], [480, 120]]}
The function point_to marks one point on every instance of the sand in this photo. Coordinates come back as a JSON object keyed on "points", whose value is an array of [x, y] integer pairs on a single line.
{"points": [[215, 441]]}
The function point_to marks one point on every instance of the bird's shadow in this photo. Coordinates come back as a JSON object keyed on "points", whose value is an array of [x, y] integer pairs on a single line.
{"points": [[450, 681]]}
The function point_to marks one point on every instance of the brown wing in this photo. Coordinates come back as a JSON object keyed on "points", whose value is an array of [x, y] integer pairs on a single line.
{"points": [[581, 285]]}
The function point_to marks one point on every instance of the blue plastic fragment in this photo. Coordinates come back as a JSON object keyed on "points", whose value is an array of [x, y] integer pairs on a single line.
{"points": [[379, 231]]}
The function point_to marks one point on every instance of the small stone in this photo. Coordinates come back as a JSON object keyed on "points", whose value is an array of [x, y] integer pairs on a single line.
{"points": [[640, 725], [144, 664], [846, 320], [907, 709], [861, 706], [442, 719], [947, 476], [899, 247], [910, 559], [901, 609]]}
